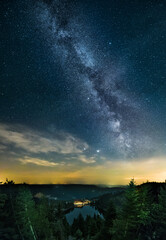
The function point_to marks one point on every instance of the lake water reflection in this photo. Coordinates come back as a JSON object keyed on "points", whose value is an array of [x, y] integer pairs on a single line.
{"points": [[86, 210]]}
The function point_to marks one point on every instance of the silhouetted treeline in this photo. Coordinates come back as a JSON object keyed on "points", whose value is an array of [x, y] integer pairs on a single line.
{"points": [[140, 216], [22, 218]]}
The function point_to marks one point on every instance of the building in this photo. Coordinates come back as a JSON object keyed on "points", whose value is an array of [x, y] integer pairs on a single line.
{"points": [[81, 203]]}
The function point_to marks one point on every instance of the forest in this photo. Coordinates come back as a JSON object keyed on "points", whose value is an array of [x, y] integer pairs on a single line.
{"points": [[141, 216]]}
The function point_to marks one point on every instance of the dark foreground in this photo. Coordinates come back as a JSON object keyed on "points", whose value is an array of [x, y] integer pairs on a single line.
{"points": [[132, 213]]}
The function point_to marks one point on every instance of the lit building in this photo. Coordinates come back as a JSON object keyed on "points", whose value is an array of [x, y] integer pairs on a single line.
{"points": [[81, 203]]}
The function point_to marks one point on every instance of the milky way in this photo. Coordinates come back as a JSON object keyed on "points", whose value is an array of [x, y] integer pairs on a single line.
{"points": [[98, 82]]}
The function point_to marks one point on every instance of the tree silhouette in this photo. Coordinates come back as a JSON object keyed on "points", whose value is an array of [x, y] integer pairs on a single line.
{"points": [[26, 213]]}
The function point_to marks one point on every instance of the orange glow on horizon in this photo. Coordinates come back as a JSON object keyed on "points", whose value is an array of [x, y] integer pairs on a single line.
{"points": [[111, 173]]}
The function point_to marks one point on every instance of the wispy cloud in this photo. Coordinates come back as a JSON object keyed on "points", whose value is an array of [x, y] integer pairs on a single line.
{"points": [[37, 161], [38, 142], [87, 160], [2, 148]]}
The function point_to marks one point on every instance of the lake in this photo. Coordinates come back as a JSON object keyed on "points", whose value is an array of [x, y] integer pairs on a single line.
{"points": [[85, 210]]}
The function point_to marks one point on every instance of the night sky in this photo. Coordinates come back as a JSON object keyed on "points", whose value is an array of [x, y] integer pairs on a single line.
{"points": [[83, 91]]}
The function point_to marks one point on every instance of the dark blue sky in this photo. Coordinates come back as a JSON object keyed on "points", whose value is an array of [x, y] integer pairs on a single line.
{"points": [[82, 82]]}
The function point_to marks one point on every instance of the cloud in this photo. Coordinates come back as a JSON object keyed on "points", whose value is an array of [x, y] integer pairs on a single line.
{"points": [[37, 161], [2, 148], [38, 142], [87, 160]]}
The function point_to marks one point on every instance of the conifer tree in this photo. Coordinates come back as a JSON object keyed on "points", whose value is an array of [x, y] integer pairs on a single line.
{"points": [[145, 221], [26, 214], [78, 235], [43, 223], [8, 227], [159, 216], [127, 224]]}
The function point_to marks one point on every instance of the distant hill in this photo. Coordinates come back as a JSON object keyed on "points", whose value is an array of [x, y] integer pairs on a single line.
{"points": [[118, 196], [104, 195], [68, 191]]}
